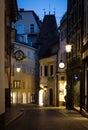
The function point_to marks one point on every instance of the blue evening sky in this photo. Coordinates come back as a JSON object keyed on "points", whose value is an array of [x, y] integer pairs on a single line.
{"points": [[60, 7]]}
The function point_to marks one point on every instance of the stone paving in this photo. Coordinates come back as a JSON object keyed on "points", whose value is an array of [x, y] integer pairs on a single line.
{"points": [[16, 111], [12, 113]]}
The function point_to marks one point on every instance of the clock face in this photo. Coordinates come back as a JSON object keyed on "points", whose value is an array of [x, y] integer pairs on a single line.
{"points": [[19, 55], [61, 65]]}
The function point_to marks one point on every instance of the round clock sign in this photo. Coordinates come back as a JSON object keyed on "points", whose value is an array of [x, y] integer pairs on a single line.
{"points": [[61, 65], [19, 55]]}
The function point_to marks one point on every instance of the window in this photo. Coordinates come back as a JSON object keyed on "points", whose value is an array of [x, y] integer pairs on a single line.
{"points": [[51, 70], [41, 71], [21, 38], [31, 28], [20, 17], [20, 29], [45, 70], [30, 55], [16, 84], [78, 42], [62, 78], [24, 67], [29, 41]]}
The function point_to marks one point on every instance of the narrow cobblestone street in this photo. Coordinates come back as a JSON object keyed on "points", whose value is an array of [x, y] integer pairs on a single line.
{"points": [[48, 118]]}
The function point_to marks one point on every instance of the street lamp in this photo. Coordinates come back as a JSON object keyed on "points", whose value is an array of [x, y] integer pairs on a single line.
{"points": [[18, 69], [68, 48], [74, 76]]}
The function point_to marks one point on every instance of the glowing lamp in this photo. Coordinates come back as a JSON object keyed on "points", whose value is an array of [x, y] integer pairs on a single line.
{"points": [[61, 64], [68, 48], [18, 69]]}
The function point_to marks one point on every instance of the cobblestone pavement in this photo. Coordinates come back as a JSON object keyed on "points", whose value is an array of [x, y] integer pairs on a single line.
{"points": [[16, 111]]}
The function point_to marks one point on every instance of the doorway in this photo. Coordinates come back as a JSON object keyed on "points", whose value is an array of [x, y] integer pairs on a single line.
{"points": [[51, 96]]}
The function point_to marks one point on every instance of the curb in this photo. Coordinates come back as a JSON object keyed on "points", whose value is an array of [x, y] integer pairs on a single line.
{"points": [[84, 113], [14, 118]]}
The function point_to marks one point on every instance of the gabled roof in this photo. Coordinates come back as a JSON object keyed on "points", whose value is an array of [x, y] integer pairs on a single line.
{"points": [[48, 35], [48, 32]]}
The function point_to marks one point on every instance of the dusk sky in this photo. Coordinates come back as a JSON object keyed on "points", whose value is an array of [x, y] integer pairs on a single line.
{"points": [[59, 6]]}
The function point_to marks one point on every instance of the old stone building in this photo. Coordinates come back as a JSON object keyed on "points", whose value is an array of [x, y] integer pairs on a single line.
{"points": [[48, 44]]}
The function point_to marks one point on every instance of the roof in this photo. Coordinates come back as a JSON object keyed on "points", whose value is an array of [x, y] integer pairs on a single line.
{"points": [[24, 44], [64, 18], [48, 35]]}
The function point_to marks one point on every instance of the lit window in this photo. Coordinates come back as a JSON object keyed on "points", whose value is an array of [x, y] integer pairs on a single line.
{"points": [[16, 83]]}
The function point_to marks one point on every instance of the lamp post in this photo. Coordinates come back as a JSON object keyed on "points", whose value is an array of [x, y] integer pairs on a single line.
{"points": [[74, 72], [68, 48]]}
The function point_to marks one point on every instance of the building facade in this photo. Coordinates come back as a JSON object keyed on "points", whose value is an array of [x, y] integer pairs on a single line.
{"points": [[25, 31], [62, 62], [74, 60], [27, 26], [8, 14], [85, 57], [48, 49], [24, 63], [48, 83]]}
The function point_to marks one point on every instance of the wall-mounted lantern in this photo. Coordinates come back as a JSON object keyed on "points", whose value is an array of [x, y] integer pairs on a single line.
{"points": [[18, 69], [68, 48]]}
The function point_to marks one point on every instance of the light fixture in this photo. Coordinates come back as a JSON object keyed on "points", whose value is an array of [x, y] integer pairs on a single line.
{"points": [[18, 66], [68, 48], [61, 64], [18, 69], [45, 89], [41, 91], [76, 77]]}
